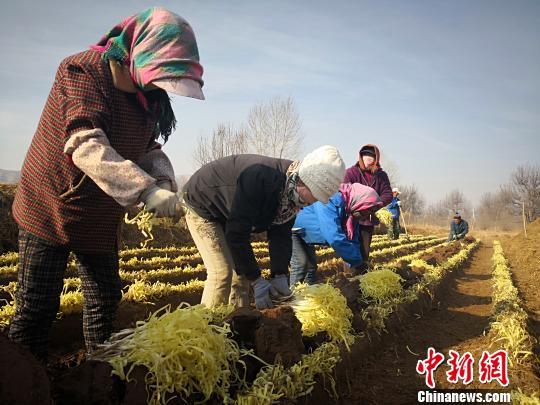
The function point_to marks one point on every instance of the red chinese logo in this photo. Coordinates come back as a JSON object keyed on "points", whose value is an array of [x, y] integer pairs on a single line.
{"points": [[429, 365], [461, 367], [491, 367], [494, 367]]}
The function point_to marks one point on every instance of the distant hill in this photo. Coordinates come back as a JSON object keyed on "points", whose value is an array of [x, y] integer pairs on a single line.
{"points": [[9, 176]]}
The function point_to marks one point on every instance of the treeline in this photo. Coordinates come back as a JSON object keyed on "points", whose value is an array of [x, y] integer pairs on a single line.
{"points": [[503, 209]]}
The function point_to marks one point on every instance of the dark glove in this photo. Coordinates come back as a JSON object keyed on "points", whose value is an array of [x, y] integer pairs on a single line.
{"points": [[262, 290], [281, 285]]}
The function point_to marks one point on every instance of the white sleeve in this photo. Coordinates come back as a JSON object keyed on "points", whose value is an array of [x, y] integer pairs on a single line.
{"points": [[156, 163], [119, 178]]}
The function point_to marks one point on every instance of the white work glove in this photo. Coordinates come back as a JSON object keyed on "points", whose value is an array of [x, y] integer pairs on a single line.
{"points": [[281, 285], [399, 203], [262, 290], [159, 201]]}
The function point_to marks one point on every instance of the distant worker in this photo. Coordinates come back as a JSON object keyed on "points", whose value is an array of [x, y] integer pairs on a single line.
{"points": [[395, 209], [368, 171], [458, 228], [334, 224], [230, 198]]}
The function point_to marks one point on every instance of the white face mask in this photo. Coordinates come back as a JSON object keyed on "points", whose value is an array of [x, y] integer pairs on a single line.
{"points": [[368, 160]]}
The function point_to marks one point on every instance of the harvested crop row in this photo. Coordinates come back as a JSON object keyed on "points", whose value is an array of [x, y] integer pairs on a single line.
{"points": [[406, 248], [509, 325], [322, 309], [7, 260], [183, 351], [140, 291], [412, 256], [401, 241], [376, 313], [334, 264]]}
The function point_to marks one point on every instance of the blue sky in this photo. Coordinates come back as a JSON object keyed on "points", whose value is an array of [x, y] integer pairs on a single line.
{"points": [[450, 90]]}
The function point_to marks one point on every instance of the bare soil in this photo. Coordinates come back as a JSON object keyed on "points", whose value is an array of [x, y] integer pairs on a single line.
{"points": [[378, 370], [457, 319]]}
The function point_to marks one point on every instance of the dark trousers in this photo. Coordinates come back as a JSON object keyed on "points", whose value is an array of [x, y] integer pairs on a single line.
{"points": [[365, 235], [40, 280], [393, 229], [303, 261]]}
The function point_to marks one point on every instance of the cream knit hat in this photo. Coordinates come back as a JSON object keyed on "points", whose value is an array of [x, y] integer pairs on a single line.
{"points": [[322, 171]]}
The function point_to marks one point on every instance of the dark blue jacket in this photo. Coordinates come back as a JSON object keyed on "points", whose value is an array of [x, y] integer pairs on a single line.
{"points": [[458, 230], [394, 208], [322, 224]]}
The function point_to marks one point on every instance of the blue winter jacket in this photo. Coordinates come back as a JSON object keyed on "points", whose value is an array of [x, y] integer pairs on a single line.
{"points": [[322, 224], [394, 208]]}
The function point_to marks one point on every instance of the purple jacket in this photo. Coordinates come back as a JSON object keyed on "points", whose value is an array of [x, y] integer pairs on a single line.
{"points": [[379, 182]]}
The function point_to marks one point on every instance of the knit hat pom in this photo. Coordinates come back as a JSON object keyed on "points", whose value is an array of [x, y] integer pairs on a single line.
{"points": [[322, 171]]}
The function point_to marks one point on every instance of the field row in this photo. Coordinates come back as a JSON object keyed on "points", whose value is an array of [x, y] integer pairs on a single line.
{"points": [[7, 272], [147, 285], [259, 248]]}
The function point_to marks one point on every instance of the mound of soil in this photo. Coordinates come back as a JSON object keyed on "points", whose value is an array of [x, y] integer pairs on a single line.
{"points": [[407, 274], [411, 274], [442, 253], [350, 288], [89, 383], [274, 334], [278, 337], [23, 380]]}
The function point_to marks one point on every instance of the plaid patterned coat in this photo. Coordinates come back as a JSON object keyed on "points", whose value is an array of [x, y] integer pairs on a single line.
{"points": [[55, 200]]}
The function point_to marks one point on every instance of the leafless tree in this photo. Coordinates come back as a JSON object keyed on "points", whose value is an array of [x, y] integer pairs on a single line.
{"points": [[391, 169], [224, 141], [453, 202], [412, 201], [436, 213], [495, 210], [275, 129], [525, 189]]}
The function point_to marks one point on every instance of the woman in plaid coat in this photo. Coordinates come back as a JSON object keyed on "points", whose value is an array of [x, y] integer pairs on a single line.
{"points": [[93, 154]]}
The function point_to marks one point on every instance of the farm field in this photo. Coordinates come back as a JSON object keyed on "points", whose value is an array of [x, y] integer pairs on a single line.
{"points": [[443, 299]]}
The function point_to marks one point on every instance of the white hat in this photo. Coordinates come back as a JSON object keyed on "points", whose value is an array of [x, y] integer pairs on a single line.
{"points": [[396, 190], [322, 171], [182, 87]]}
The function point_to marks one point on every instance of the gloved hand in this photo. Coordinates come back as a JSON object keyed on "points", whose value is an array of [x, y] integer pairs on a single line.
{"points": [[362, 215], [262, 290], [399, 203], [161, 202], [281, 285]]}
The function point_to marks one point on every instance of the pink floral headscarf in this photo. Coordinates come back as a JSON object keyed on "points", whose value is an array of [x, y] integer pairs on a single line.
{"points": [[357, 197]]}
